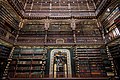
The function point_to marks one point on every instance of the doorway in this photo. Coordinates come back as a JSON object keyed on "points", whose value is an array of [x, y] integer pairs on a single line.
{"points": [[60, 64]]}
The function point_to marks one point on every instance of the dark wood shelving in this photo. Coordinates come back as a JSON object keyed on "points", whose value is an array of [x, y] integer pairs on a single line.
{"points": [[87, 29], [90, 66], [115, 52], [4, 54], [29, 66]]}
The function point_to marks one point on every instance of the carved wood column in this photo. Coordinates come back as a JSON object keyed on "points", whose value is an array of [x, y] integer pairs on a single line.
{"points": [[47, 24], [73, 26]]}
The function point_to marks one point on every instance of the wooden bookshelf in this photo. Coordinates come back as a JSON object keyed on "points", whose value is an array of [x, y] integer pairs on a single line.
{"points": [[4, 54], [8, 17], [8, 25], [112, 32], [66, 36], [89, 62], [115, 52], [28, 63]]}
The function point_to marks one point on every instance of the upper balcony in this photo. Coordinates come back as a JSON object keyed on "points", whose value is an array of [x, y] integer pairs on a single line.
{"points": [[57, 8]]}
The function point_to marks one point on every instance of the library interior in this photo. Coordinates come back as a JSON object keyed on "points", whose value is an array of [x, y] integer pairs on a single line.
{"points": [[60, 39]]}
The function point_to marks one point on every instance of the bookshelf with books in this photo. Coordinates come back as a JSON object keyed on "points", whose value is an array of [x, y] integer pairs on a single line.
{"points": [[107, 62], [89, 62], [88, 32], [28, 63], [88, 27], [117, 22], [33, 26], [8, 24], [54, 36], [112, 32], [66, 38], [8, 17], [6, 35], [2, 32], [115, 52], [112, 12], [90, 40], [110, 22], [4, 54], [31, 37], [32, 32]]}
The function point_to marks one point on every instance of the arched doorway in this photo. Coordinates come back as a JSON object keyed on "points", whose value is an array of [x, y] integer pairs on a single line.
{"points": [[60, 64]]}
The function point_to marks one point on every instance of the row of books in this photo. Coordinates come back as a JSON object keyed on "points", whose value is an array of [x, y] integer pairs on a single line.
{"points": [[27, 33], [33, 27], [32, 53], [31, 40], [90, 37], [4, 51], [41, 57], [30, 63], [4, 33], [89, 41], [36, 35], [115, 33], [88, 50], [53, 40], [4, 54], [30, 50], [111, 16], [89, 62], [59, 36], [115, 52], [29, 75], [88, 55], [60, 33], [5, 14], [111, 27], [2, 24], [28, 68], [32, 74]]}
